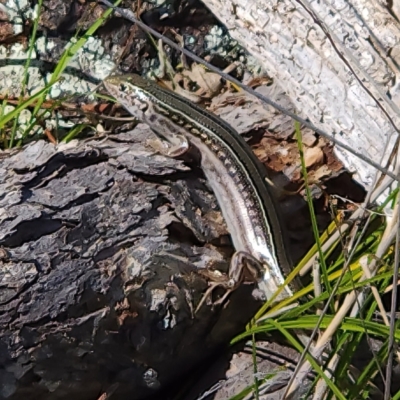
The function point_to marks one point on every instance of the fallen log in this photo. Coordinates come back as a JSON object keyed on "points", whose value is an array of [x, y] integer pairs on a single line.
{"points": [[102, 242]]}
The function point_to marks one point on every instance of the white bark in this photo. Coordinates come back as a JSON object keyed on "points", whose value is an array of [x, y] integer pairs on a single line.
{"points": [[342, 88]]}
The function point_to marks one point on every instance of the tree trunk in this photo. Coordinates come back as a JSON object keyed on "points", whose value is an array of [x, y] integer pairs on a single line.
{"points": [[338, 61]]}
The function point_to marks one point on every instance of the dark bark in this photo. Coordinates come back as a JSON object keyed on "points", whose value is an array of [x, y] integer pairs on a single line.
{"points": [[101, 244]]}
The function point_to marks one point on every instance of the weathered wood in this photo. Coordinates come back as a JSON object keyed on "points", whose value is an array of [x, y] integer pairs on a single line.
{"points": [[101, 245], [338, 61]]}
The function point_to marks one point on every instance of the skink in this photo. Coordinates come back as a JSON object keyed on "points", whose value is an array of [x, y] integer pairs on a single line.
{"points": [[234, 173]]}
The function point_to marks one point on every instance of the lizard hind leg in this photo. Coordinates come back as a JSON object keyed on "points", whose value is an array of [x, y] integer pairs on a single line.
{"points": [[243, 268]]}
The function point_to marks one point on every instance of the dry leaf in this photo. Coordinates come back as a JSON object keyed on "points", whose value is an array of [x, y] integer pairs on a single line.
{"points": [[313, 156], [308, 137], [193, 97], [209, 82], [321, 172]]}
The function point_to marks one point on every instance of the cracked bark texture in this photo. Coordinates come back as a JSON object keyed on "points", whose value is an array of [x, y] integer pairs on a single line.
{"points": [[101, 245], [337, 60]]}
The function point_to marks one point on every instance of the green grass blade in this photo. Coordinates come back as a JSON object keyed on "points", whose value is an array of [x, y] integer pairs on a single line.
{"points": [[308, 322], [14, 113], [75, 131], [293, 341], [311, 208], [70, 52], [32, 42]]}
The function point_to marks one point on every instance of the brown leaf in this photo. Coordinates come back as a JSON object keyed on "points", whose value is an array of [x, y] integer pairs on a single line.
{"points": [[313, 156], [322, 172], [308, 137], [209, 82]]}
